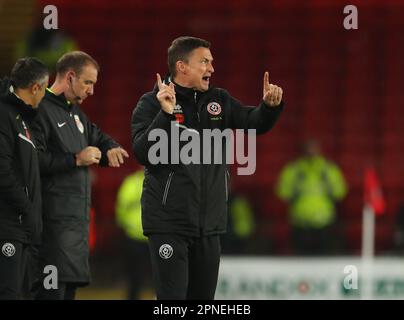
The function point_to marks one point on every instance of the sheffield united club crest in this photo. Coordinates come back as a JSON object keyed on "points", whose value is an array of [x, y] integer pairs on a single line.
{"points": [[79, 124]]}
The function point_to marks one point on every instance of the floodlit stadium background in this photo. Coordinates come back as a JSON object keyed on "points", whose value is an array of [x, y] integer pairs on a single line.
{"points": [[343, 87]]}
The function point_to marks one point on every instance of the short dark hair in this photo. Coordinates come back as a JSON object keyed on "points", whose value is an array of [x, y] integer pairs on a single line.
{"points": [[27, 71], [76, 61], [181, 48]]}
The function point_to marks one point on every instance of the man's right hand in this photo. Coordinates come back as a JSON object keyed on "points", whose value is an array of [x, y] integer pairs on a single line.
{"points": [[166, 95], [88, 156]]}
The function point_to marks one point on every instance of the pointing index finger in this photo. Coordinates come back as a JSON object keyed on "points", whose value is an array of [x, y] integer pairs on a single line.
{"points": [[266, 81], [159, 82]]}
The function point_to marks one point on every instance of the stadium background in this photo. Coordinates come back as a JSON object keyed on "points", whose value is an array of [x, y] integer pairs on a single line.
{"points": [[343, 87]]}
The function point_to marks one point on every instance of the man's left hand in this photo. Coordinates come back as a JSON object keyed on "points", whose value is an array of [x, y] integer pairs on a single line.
{"points": [[115, 157], [272, 94]]}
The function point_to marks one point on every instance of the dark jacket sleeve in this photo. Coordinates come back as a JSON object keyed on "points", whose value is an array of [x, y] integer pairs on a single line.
{"points": [[147, 116], [11, 189], [49, 161], [261, 118], [99, 139]]}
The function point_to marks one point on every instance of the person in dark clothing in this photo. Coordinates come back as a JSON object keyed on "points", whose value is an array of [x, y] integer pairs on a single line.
{"points": [[136, 251], [20, 196], [184, 205], [68, 144]]}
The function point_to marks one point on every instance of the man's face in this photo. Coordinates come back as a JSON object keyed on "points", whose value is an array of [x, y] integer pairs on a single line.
{"points": [[199, 68], [38, 92], [82, 85]]}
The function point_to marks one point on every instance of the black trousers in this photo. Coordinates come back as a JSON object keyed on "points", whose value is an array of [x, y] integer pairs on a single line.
{"points": [[184, 267], [137, 267], [12, 269]]}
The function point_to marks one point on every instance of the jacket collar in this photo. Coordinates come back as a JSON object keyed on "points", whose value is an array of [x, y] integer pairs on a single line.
{"points": [[27, 111], [59, 100], [183, 91]]}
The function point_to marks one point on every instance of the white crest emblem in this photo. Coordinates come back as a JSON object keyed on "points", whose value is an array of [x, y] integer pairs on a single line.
{"points": [[78, 123], [8, 249], [166, 251], [214, 108]]}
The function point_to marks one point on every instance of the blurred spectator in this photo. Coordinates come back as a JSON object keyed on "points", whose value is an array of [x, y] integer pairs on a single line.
{"points": [[136, 253], [241, 226], [312, 185], [46, 45]]}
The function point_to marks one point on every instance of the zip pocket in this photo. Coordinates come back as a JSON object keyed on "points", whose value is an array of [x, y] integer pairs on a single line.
{"points": [[167, 188], [226, 174]]}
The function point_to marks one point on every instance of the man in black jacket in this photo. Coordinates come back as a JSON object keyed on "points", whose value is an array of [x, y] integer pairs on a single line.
{"points": [[20, 196], [68, 144], [184, 205]]}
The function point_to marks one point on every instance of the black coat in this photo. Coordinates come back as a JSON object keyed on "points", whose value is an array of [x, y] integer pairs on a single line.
{"points": [[62, 130], [190, 199], [20, 196]]}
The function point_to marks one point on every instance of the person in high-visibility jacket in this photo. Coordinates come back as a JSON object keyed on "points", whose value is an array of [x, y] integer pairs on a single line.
{"points": [[241, 225], [128, 217], [312, 185], [46, 45]]}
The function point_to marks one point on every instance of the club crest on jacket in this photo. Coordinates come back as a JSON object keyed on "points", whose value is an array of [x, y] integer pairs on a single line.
{"points": [[214, 108], [79, 124]]}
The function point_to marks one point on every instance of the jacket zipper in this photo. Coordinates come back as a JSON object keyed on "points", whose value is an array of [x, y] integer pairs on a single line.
{"points": [[26, 191], [197, 110], [167, 188], [226, 184], [203, 181], [87, 182]]}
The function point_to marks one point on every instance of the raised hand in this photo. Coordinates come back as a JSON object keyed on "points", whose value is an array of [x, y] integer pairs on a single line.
{"points": [[272, 94], [166, 95]]}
